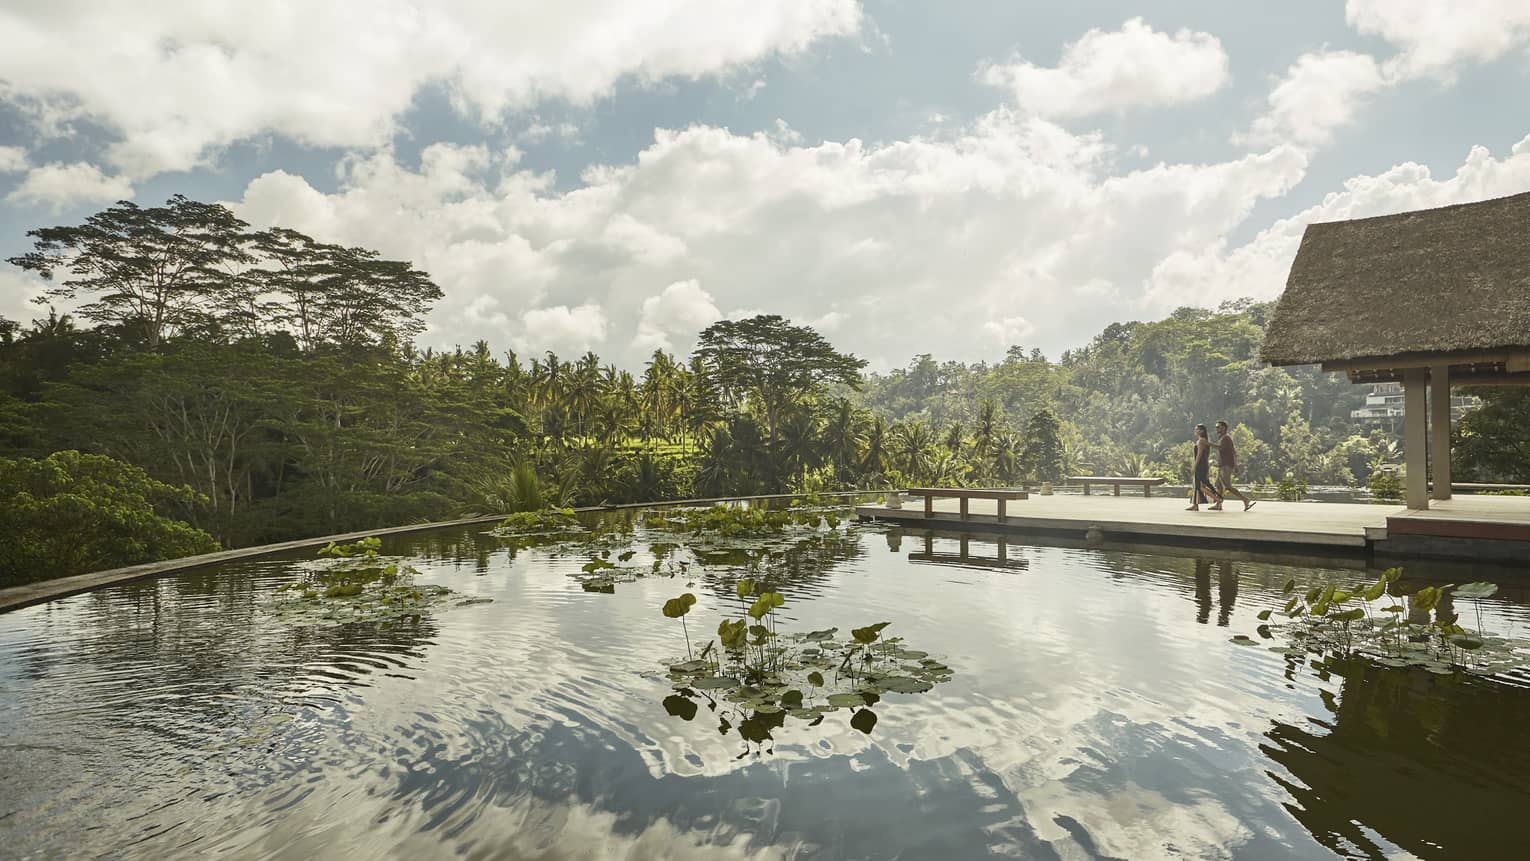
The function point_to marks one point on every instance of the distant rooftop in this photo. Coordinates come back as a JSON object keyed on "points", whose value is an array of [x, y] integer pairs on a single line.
{"points": [[1453, 280]]}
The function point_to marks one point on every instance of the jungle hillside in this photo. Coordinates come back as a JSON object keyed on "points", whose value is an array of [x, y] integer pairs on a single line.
{"points": [[212, 384]]}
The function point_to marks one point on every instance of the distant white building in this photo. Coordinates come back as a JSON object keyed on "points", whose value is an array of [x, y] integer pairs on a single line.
{"points": [[1384, 406]]}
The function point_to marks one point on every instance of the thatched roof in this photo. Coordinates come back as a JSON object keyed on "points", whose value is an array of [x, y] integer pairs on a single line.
{"points": [[1432, 281]]}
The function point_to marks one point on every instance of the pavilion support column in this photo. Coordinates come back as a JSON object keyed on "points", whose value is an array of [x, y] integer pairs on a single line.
{"points": [[1416, 436], [1439, 431]]}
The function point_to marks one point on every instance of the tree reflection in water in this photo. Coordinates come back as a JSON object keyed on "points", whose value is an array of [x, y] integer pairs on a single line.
{"points": [[1430, 762]]}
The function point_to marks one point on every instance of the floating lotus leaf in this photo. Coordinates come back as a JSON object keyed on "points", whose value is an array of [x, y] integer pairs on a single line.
{"points": [[820, 636], [905, 685], [846, 700], [714, 683], [690, 667], [1476, 590], [815, 679]]}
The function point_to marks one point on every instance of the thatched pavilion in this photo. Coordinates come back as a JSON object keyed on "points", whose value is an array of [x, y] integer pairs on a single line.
{"points": [[1432, 298]]}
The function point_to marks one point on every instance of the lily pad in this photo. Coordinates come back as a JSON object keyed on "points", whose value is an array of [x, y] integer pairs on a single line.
{"points": [[847, 700], [714, 683], [905, 685]]}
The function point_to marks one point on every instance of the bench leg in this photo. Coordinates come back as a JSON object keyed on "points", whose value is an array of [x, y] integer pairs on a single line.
{"points": [[929, 506], [1086, 488], [1118, 489], [964, 507], [1147, 490], [1001, 509]]}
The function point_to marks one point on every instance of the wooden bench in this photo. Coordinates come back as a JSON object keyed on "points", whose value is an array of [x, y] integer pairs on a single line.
{"points": [[1003, 495], [1147, 484]]}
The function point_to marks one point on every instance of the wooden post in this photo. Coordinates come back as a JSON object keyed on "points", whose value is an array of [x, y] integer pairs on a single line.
{"points": [[1416, 437], [964, 545], [1439, 443], [1086, 488], [1117, 487], [963, 505], [1147, 491], [1002, 502], [1003, 549], [929, 505]]}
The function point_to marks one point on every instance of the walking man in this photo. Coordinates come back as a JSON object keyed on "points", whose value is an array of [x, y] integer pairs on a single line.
{"points": [[1227, 462]]}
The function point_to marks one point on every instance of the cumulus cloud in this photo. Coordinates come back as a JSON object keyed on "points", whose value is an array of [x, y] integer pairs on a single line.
{"points": [[1325, 90], [1008, 331], [18, 289], [178, 79], [1432, 37], [13, 159], [59, 186], [563, 329], [1259, 267], [677, 313], [1321, 92], [1134, 67], [1008, 218]]}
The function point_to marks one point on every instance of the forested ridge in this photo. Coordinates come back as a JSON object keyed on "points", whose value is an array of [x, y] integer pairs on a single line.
{"points": [[248, 386]]}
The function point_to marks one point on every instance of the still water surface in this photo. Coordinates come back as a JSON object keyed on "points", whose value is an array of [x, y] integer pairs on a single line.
{"points": [[1098, 710]]}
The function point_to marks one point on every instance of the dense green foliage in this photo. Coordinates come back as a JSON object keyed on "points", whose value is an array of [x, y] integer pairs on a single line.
{"points": [[273, 375], [1493, 442], [70, 513]]}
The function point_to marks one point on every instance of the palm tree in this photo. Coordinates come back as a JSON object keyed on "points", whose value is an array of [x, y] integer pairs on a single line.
{"points": [[875, 459], [844, 437], [797, 445], [913, 445]]}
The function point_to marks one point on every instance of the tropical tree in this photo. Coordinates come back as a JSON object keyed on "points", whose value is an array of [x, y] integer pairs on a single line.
{"points": [[70, 513], [1043, 456], [162, 269], [767, 363]]}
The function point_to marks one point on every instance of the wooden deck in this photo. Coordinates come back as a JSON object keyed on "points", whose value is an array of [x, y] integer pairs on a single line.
{"points": [[1456, 528]]}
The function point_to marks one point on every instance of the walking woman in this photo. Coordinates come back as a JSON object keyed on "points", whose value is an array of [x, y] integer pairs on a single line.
{"points": [[1203, 486]]}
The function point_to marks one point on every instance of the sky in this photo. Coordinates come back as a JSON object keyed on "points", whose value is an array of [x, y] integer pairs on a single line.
{"points": [[905, 176]]}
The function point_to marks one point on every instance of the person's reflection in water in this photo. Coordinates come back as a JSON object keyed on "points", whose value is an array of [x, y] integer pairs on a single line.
{"points": [[1227, 591], [1202, 590]]}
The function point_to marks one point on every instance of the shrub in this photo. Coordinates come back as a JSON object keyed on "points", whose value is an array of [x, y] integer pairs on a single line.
{"points": [[70, 513]]}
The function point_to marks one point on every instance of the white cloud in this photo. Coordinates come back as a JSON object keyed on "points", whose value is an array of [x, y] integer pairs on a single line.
{"points": [[922, 239], [1434, 36], [178, 79], [1134, 67], [17, 290], [682, 309], [1325, 90], [563, 329], [60, 186], [1008, 331], [13, 159], [1321, 92], [1259, 267]]}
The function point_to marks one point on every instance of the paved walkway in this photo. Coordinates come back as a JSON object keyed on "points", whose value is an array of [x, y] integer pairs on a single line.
{"points": [[1295, 523]]}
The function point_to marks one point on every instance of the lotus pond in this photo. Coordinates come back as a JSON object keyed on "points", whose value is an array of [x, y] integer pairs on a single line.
{"points": [[666, 684]]}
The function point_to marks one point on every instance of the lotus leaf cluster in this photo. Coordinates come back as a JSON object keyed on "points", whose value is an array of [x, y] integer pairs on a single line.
{"points": [[352, 583], [754, 676], [1380, 623]]}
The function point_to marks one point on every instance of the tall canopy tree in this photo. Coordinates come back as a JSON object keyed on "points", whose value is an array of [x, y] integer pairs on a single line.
{"points": [[767, 361], [164, 268]]}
